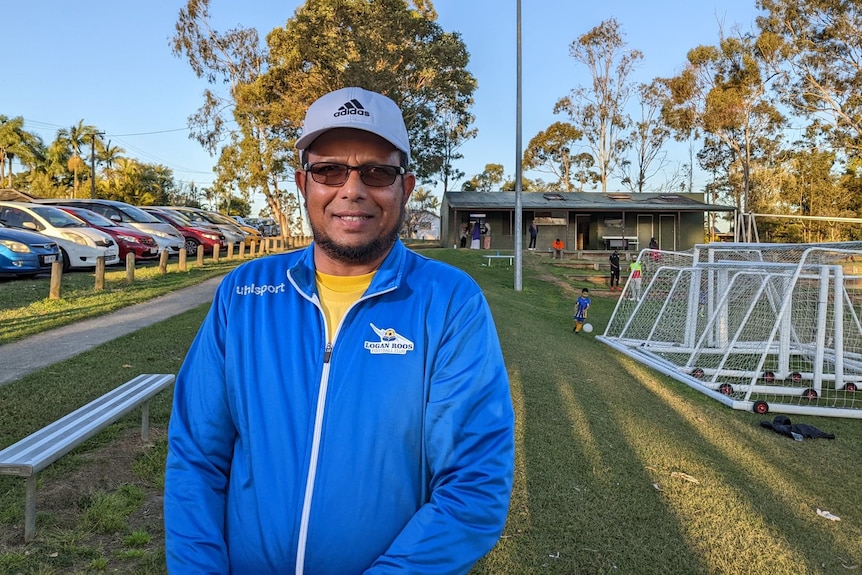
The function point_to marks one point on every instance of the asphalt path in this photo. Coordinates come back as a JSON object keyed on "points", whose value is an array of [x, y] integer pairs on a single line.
{"points": [[25, 356]]}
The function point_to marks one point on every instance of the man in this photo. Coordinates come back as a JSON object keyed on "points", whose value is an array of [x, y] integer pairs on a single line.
{"points": [[614, 258], [344, 408], [534, 233], [558, 246]]}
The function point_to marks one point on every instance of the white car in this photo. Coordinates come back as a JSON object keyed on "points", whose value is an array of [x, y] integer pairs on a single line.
{"points": [[79, 243]]}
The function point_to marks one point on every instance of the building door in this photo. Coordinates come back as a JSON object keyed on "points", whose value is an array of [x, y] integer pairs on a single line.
{"points": [[644, 230], [667, 232], [582, 237]]}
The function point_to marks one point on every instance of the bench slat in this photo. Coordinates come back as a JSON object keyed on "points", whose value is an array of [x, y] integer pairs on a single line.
{"points": [[43, 447]]}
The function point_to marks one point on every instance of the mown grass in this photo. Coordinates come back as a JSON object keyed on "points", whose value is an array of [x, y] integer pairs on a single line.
{"points": [[25, 308], [606, 453]]}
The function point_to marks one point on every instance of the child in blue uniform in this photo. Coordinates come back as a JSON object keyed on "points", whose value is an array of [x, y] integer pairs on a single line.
{"points": [[581, 307]]}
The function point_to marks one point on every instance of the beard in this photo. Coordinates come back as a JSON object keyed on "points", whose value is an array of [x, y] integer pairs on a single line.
{"points": [[362, 254]]}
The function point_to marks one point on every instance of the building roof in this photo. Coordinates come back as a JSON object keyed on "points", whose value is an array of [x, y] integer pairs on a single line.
{"points": [[587, 201]]}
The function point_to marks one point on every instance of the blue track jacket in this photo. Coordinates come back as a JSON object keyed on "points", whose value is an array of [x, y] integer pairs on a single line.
{"points": [[392, 451]]}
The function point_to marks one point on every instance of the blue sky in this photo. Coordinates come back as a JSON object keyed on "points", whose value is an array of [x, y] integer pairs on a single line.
{"points": [[109, 64]]}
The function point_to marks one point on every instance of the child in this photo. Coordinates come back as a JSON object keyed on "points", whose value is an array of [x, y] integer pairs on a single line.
{"points": [[581, 307]]}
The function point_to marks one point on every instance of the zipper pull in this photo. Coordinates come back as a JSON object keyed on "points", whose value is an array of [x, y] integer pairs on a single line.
{"points": [[328, 353]]}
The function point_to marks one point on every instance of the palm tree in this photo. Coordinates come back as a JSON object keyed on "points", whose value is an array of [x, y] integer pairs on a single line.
{"points": [[15, 142], [74, 138]]}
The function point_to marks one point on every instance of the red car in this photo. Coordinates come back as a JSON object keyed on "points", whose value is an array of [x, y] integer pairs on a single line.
{"points": [[129, 240], [195, 235]]}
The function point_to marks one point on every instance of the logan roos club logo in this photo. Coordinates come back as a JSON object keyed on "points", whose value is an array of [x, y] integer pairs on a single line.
{"points": [[390, 342]]}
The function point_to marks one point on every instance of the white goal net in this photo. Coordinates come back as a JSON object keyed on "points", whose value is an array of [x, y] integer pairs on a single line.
{"points": [[763, 327]]}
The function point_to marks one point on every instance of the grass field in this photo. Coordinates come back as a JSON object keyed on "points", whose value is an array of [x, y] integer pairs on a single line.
{"points": [[619, 469]]}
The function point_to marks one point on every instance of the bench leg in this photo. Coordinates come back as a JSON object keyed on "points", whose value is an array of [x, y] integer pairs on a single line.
{"points": [[145, 422], [30, 509]]}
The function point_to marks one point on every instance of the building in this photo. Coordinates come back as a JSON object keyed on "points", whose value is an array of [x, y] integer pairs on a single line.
{"points": [[583, 220]]}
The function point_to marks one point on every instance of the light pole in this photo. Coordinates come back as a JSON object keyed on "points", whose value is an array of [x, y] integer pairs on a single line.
{"points": [[93, 163], [518, 215]]}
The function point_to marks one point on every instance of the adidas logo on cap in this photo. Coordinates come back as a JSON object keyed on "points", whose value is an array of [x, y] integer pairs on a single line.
{"points": [[351, 108]]}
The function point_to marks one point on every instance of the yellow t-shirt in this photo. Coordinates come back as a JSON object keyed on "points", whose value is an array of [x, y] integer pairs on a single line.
{"points": [[337, 294]]}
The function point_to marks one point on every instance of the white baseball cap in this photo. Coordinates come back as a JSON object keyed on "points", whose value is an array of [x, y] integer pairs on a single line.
{"points": [[355, 108]]}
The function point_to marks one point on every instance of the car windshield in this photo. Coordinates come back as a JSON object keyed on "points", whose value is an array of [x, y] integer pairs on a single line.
{"points": [[181, 219], [138, 215], [57, 217], [93, 218]]}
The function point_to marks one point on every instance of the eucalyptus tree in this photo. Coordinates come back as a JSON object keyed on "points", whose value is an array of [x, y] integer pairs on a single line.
{"points": [[723, 91], [552, 151], [391, 46], [492, 176], [819, 44], [598, 110], [649, 132]]}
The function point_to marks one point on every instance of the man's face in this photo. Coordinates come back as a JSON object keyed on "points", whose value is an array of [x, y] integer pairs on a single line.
{"points": [[354, 225]]}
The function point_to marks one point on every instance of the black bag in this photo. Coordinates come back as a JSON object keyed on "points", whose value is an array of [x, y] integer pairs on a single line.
{"points": [[798, 431]]}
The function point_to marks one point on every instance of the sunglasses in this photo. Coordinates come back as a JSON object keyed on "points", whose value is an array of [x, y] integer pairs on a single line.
{"points": [[372, 175]]}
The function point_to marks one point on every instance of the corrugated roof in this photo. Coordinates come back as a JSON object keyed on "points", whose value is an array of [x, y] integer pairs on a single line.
{"points": [[591, 201]]}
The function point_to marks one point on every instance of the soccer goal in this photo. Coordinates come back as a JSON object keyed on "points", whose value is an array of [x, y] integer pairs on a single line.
{"points": [[762, 327]]}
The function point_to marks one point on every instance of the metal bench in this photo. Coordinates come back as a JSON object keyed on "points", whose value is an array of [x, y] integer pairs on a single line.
{"points": [[499, 256], [42, 448]]}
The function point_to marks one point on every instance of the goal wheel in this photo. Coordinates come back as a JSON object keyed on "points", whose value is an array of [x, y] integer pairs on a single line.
{"points": [[809, 394], [851, 387], [725, 389], [760, 407], [697, 372], [768, 376], [795, 377]]}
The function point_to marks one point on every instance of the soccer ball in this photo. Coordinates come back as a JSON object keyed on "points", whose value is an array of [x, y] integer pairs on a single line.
{"points": [[588, 327]]}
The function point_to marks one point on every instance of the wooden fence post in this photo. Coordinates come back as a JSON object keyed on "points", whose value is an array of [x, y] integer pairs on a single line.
{"points": [[56, 280], [100, 273], [241, 250], [200, 254], [163, 262], [230, 251], [182, 259], [130, 267], [216, 254]]}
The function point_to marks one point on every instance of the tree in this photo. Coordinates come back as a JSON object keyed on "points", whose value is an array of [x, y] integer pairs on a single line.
{"points": [[598, 111], [550, 151], [647, 138], [723, 91], [490, 178], [15, 142], [74, 138], [819, 44], [421, 210], [390, 46]]}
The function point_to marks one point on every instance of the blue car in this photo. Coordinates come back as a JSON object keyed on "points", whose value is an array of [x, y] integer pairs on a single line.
{"points": [[25, 254]]}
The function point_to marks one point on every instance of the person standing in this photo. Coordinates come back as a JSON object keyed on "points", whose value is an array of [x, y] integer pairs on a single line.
{"points": [[464, 231], [581, 307], [635, 280], [486, 231], [343, 408], [534, 233], [477, 233], [614, 258]]}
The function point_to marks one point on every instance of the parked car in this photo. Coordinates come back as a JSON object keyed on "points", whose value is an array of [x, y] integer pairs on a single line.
{"points": [[251, 234], [129, 240], [125, 214], [26, 254], [194, 235], [232, 233], [79, 243]]}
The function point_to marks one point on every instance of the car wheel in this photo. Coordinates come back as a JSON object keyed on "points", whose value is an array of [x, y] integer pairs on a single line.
{"points": [[67, 263], [192, 247]]}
